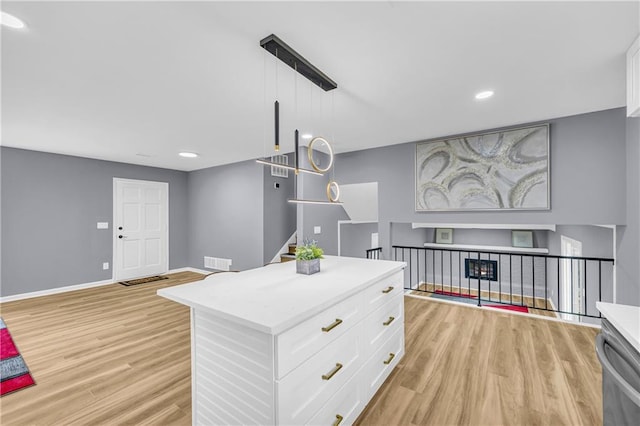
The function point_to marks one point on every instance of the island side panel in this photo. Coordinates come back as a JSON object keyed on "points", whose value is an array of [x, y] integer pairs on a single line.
{"points": [[232, 372]]}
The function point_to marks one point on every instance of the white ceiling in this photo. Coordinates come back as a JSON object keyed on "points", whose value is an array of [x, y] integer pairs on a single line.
{"points": [[113, 80]]}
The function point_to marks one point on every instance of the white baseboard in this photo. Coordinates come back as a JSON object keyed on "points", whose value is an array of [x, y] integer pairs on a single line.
{"points": [[75, 287], [189, 269], [54, 291]]}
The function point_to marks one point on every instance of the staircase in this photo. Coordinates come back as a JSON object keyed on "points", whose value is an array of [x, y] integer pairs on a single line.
{"points": [[290, 255]]}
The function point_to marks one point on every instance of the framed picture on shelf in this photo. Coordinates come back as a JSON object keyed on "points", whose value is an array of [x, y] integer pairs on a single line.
{"points": [[522, 239], [444, 236]]}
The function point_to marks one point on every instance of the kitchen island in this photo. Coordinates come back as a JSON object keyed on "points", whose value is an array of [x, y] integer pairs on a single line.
{"points": [[270, 346]]}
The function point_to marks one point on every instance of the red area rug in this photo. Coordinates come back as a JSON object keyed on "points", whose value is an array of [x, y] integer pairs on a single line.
{"points": [[469, 296], [510, 308], [14, 374], [455, 294]]}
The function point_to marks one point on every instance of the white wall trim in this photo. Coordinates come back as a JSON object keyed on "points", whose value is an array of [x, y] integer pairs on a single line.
{"points": [[188, 269], [54, 291], [525, 226], [83, 286]]}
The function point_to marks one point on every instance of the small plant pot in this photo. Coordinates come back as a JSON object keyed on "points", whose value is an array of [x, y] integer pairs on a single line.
{"points": [[308, 267]]}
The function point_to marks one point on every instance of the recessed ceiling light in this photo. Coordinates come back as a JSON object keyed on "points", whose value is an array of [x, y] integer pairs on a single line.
{"points": [[11, 21], [485, 94], [188, 154], [307, 136]]}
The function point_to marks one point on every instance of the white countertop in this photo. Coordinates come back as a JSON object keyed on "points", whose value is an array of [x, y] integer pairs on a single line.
{"points": [[625, 318], [274, 298]]}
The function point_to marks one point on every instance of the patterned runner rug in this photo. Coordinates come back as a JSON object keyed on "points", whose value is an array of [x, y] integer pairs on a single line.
{"points": [[14, 374], [144, 280]]}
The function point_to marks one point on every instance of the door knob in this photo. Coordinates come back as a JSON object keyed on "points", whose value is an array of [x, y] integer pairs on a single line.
{"points": [[120, 236], [120, 228]]}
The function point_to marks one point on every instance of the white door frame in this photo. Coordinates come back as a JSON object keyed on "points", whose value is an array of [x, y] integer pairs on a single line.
{"points": [[114, 267]]}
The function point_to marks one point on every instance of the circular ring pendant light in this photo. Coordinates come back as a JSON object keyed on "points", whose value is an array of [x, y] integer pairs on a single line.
{"points": [[310, 152], [333, 185]]}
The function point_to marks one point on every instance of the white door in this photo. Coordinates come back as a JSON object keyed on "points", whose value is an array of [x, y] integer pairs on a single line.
{"points": [[572, 290], [141, 224]]}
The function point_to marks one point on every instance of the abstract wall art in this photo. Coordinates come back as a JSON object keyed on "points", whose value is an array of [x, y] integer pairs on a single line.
{"points": [[504, 170]]}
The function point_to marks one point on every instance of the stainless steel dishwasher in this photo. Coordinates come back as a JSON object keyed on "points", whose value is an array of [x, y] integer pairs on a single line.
{"points": [[620, 377]]}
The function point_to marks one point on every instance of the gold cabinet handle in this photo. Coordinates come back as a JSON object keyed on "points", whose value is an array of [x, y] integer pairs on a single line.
{"points": [[391, 357], [333, 325], [339, 419], [389, 321], [388, 289], [332, 373]]}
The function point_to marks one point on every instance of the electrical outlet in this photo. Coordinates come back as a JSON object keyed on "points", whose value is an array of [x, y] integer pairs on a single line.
{"points": [[103, 225], [317, 230], [105, 265]]}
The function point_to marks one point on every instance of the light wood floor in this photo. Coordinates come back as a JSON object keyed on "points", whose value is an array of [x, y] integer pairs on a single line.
{"points": [[121, 355], [107, 355], [467, 366]]}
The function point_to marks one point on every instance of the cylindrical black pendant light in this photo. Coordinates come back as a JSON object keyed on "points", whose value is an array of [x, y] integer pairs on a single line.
{"points": [[296, 150], [277, 124]]}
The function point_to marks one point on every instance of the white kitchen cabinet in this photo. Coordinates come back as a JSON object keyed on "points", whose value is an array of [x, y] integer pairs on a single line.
{"points": [[270, 346]]}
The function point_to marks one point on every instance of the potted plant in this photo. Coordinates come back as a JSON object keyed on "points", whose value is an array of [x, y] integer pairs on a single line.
{"points": [[308, 258]]}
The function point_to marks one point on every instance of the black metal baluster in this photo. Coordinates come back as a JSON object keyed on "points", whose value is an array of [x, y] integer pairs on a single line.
{"points": [[600, 285], [521, 282], [479, 275], [450, 272], [511, 279], [489, 271], [418, 265], [558, 264], [546, 283], [459, 273], [585, 286], [571, 271], [433, 263], [499, 276], [426, 271], [442, 270], [533, 277], [468, 270]]}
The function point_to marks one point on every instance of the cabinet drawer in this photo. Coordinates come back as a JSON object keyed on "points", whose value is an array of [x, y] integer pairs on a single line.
{"points": [[344, 407], [307, 388], [382, 363], [384, 290], [299, 343], [381, 324]]}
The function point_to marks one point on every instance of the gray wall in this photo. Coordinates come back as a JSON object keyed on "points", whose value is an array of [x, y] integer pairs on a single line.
{"points": [[355, 238], [226, 215], [50, 206], [628, 266], [597, 241], [587, 164], [279, 215], [312, 187]]}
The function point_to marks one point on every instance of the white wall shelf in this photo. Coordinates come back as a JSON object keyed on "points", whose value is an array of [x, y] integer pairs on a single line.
{"points": [[528, 227], [505, 249]]}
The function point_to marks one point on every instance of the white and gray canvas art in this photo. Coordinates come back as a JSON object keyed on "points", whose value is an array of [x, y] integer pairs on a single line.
{"points": [[493, 171]]}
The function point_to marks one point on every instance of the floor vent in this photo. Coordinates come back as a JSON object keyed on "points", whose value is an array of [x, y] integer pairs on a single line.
{"points": [[217, 263]]}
